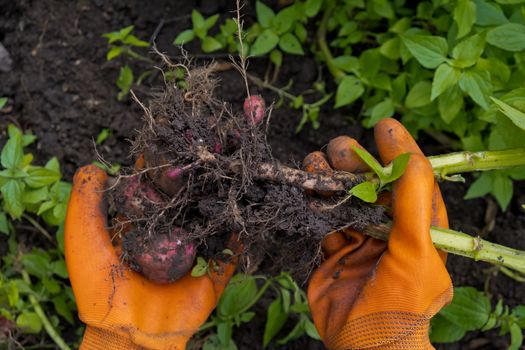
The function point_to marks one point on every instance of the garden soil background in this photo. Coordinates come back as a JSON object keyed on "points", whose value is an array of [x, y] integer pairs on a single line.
{"points": [[62, 89]]}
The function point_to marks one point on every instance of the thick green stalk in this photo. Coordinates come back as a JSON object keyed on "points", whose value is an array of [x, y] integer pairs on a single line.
{"points": [[460, 243], [51, 331], [461, 162]]}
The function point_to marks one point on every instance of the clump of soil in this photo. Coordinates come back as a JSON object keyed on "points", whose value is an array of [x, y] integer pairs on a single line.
{"points": [[199, 169]]}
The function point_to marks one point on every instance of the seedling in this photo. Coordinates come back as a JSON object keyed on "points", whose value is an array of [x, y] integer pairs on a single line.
{"points": [[123, 43]]}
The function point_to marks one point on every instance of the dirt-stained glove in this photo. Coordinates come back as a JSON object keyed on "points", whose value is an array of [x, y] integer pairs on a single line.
{"points": [[122, 309], [369, 294]]}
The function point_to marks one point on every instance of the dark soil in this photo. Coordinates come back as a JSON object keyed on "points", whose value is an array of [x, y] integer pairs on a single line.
{"points": [[62, 89]]}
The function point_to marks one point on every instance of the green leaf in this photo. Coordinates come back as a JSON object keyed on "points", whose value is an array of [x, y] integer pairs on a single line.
{"points": [[289, 44], [383, 8], [124, 81], [399, 88], [444, 77], [444, 331], [430, 51], [132, 40], [517, 116], [4, 223], [366, 191], [265, 14], [502, 190], [39, 177], [200, 268], [370, 63], [29, 322], [197, 20], [59, 268], [349, 90], [62, 308], [399, 165], [480, 187], [464, 16], [36, 264], [284, 20], [210, 21], [210, 44], [311, 330], [516, 337], [468, 51], [519, 313], [12, 191], [419, 95], [184, 37], [477, 85], [510, 37], [3, 101], [240, 293], [384, 109], [13, 152], [275, 320], [103, 135], [390, 48], [264, 43], [349, 64], [469, 309], [450, 104], [371, 162], [35, 196], [113, 53], [312, 7], [488, 14]]}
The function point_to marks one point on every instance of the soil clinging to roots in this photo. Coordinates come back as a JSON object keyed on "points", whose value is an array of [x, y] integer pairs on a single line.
{"points": [[198, 170]]}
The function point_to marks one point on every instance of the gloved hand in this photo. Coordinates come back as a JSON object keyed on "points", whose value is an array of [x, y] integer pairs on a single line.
{"points": [[122, 309], [369, 293]]}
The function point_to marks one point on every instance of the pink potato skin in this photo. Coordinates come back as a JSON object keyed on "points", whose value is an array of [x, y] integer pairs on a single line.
{"points": [[254, 109], [167, 258]]}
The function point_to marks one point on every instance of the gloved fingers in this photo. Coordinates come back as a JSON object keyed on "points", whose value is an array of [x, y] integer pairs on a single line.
{"points": [[393, 139], [342, 157], [412, 208], [88, 248], [220, 276]]}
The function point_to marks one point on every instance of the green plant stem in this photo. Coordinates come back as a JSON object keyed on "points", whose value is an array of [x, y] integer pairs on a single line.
{"points": [[323, 45], [51, 331], [460, 162], [39, 227], [463, 162], [460, 243]]}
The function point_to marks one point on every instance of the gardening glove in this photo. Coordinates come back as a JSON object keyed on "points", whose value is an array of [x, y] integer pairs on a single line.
{"points": [[370, 294], [122, 309]]}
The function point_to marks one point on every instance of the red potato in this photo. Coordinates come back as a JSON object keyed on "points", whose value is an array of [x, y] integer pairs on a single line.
{"points": [[137, 194], [163, 258], [254, 109]]}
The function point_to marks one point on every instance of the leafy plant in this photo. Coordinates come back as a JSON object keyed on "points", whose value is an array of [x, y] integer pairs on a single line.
{"points": [[242, 293], [3, 101], [31, 281], [123, 43], [471, 310]]}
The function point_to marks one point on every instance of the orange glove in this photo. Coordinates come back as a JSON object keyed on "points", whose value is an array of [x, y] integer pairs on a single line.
{"points": [[370, 294], [122, 309]]}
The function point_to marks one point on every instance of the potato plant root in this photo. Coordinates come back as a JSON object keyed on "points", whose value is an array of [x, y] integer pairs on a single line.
{"points": [[215, 174]]}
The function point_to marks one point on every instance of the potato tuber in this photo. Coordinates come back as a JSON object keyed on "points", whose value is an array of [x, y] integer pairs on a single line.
{"points": [[162, 258]]}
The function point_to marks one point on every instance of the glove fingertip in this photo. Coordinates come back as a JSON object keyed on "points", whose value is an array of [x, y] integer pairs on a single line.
{"points": [[392, 139]]}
